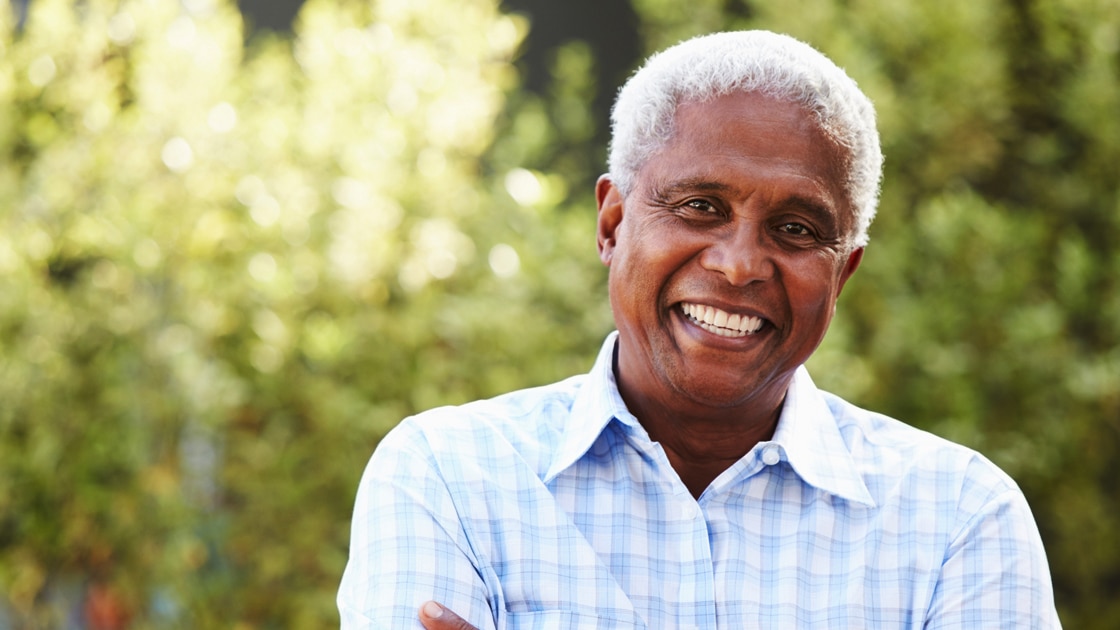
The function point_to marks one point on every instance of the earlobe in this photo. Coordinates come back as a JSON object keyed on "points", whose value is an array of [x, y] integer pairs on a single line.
{"points": [[610, 216]]}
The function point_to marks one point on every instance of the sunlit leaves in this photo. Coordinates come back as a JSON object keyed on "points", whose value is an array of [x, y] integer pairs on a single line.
{"points": [[201, 243]]}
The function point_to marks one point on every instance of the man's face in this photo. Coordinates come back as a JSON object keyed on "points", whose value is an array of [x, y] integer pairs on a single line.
{"points": [[728, 255]]}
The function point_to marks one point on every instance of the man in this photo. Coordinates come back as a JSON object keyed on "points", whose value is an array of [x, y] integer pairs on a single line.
{"points": [[696, 478]]}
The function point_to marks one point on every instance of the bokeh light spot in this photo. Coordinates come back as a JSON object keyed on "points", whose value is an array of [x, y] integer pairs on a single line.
{"points": [[147, 254], [262, 267], [121, 28], [265, 210], [177, 154], [222, 118], [524, 186], [504, 260], [41, 71]]}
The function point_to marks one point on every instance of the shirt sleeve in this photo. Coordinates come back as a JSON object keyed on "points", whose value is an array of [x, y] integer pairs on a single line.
{"points": [[995, 573], [407, 544]]}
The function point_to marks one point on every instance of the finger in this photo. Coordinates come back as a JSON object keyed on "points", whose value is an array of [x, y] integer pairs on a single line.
{"points": [[435, 617]]}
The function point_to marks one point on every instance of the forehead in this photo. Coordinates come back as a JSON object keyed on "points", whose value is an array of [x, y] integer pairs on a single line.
{"points": [[744, 140], [719, 124]]}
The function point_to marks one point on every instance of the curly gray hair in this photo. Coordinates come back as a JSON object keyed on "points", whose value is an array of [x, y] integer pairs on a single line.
{"points": [[778, 66]]}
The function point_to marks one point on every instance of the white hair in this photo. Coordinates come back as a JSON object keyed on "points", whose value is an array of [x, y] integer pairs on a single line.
{"points": [[778, 66]]}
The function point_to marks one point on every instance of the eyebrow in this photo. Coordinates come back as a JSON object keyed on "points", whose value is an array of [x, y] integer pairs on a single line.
{"points": [[692, 184], [829, 221]]}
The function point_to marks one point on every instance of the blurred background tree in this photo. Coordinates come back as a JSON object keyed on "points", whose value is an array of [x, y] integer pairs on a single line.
{"points": [[233, 259]]}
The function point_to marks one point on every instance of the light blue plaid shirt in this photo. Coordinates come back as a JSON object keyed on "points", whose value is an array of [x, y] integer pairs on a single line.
{"points": [[551, 508]]}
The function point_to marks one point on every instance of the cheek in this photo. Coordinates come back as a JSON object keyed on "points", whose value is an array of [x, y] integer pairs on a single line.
{"points": [[650, 253], [814, 284], [639, 276]]}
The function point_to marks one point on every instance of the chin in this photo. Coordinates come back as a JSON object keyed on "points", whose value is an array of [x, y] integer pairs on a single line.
{"points": [[703, 392]]}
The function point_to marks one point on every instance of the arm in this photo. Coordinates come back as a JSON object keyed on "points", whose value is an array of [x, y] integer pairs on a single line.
{"points": [[995, 573], [407, 544]]}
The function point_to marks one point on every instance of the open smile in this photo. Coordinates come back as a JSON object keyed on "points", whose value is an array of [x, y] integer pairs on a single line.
{"points": [[720, 322]]}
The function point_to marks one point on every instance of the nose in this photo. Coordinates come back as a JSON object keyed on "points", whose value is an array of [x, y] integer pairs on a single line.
{"points": [[739, 253]]}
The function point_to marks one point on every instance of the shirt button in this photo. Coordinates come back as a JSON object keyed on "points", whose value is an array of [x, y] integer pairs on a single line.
{"points": [[770, 455]]}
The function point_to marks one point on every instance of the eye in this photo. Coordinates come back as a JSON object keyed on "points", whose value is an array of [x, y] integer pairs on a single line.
{"points": [[701, 205], [795, 229]]}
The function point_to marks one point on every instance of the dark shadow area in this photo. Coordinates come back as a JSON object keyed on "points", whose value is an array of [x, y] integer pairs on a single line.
{"points": [[609, 27], [273, 15]]}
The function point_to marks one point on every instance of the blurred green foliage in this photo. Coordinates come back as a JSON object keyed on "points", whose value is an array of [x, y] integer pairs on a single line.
{"points": [[228, 269]]}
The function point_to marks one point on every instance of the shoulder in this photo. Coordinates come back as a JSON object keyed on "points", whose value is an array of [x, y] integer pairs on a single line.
{"points": [[966, 516], [899, 460], [524, 424]]}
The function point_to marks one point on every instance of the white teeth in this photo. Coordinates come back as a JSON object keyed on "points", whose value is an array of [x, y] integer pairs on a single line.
{"points": [[720, 322]]}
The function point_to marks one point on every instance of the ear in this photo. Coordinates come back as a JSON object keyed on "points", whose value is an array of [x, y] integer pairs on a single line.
{"points": [[850, 267], [610, 216]]}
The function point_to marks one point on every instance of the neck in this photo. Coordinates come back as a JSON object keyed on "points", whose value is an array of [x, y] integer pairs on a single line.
{"points": [[699, 450], [702, 442], [703, 426]]}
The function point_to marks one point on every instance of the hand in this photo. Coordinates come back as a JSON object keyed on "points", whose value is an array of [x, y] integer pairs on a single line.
{"points": [[435, 617]]}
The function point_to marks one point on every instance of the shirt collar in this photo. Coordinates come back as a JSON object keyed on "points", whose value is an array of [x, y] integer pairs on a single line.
{"points": [[595, 405], [806, 429], [814, 448]]}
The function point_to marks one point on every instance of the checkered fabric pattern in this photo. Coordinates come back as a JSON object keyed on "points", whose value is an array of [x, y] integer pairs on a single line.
{"points": [[551, 508]]}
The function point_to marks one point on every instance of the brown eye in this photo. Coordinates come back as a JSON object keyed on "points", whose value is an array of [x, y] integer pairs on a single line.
{"points": [[701, 205], [795, 229]]}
